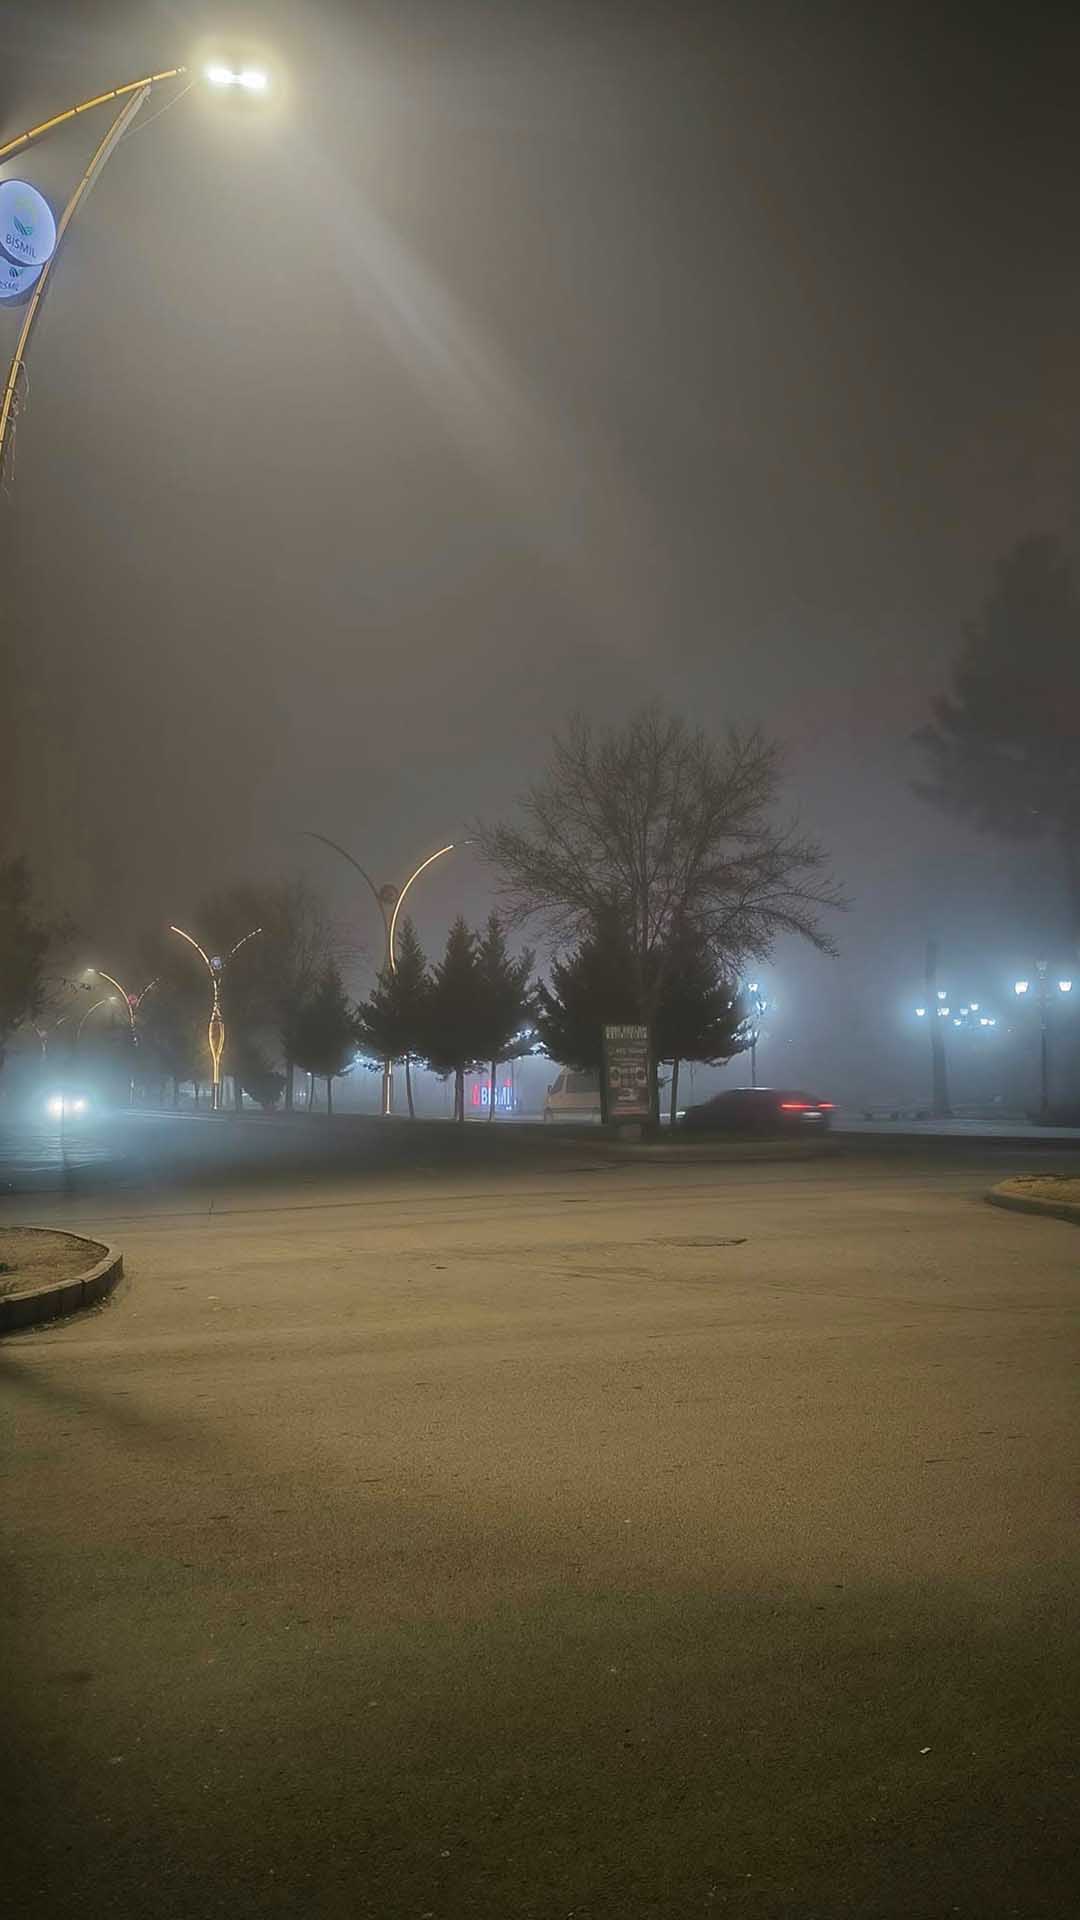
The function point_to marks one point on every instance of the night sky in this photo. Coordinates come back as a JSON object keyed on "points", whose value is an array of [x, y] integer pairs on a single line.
{"points": [[519, 356]]}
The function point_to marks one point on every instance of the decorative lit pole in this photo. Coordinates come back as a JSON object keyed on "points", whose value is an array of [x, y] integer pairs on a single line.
{"points": [[386, 897], [35, 238], [132, 1001], [1020, 988], [215, 1032]]}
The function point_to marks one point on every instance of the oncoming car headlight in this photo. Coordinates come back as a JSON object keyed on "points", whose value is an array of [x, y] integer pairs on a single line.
{"points": [[60, 1104]]}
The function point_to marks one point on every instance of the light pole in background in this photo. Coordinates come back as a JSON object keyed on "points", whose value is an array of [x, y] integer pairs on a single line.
{"points": [[388, 899], [939, 1013], [35, 241], [1021, 988], [215, 1032], [758, 1006], [132, 1001], [107, 1000]]}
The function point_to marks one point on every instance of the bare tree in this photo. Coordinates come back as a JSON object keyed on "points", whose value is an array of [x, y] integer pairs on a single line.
{"points": [[671, 832]]}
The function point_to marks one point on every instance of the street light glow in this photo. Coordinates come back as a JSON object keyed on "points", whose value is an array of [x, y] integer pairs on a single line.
{"points": [[1021, 986], [920, 1013], [943, 1013], [1064, 986], [252, 79]]}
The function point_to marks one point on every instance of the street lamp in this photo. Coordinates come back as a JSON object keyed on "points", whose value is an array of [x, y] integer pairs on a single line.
{"points": [[215, 1032], [132, 1001], [252, 79], [759, 1006], [386, 897], [39, 264], [1021, 988]]}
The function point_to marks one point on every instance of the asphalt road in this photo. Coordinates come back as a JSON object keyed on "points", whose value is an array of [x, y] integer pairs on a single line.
{"points": [[520, 1539]]}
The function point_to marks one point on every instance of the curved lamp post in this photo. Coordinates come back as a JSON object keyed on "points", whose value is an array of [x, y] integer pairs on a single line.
{"points": [[132, 1001], [132, 94], [215, 1031], [386, 897], [108, 1000]]}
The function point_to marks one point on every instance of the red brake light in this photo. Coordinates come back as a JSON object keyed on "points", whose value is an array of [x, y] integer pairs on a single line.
{"points": [[826, 1106], [794, 1106]]}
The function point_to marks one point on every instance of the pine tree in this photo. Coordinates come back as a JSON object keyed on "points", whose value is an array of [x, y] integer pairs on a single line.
{"points": [[456, 1024], [324, 1030], [507, 1001], [393, 1021], [701, 1015], [698, 1013]]}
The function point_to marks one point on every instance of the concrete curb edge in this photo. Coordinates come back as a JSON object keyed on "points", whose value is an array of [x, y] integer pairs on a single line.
{"points": [[18, 1310], [1000, 1196]]}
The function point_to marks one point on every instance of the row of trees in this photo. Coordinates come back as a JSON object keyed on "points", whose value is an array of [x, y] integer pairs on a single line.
{"points": [[647, 855]]}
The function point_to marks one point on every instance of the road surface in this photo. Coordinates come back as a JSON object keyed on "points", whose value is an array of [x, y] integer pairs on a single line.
{"points": [[549, 1539]]}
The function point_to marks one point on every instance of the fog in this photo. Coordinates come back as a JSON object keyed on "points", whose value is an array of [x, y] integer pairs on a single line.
{"points": [[513, 358]]}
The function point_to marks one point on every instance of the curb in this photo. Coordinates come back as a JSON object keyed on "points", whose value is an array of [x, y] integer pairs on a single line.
{"points": [[1003, 1195], [65, 1296]]}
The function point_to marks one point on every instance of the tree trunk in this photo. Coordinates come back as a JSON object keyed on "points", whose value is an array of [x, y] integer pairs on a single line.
{"points": [[288, 1086], [195, 1091], [674, 1107], [492, 1090], [408, 1086], [459, 1095], [310, 1091], [329, 1096]]}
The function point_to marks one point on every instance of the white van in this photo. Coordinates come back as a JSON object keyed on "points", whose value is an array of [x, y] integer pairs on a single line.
{"points": [[573, 1096]]}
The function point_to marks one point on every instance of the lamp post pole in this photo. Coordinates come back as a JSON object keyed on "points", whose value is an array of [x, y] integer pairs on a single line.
{"points": [[132, 94], [215, 1031], [1044, 1064], [759, 1005], [108, 999], [1020, 988], [939, 1104], [132, 1001], [385, 897]]}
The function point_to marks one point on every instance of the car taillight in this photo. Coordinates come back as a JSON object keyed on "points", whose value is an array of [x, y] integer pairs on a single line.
{"points": [[794, 1106], [826, 1106]]}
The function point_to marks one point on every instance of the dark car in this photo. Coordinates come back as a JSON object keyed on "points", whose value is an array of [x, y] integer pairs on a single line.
{"points": [[759, 1110]]}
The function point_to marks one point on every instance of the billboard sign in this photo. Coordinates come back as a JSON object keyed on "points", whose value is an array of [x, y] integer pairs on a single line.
{"points": [[27, 227], [626, 1072]]}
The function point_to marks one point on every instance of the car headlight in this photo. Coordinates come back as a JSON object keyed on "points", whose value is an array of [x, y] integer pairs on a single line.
{"points": [[78, 1106]]}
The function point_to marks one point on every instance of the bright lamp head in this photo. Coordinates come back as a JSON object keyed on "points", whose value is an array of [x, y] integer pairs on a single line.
{"points": [[1064, 986], [1021, 986], [252, 79]]}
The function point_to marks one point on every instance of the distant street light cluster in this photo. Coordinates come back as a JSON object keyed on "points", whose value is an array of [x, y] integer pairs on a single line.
{"points": [[971, 1016]]}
